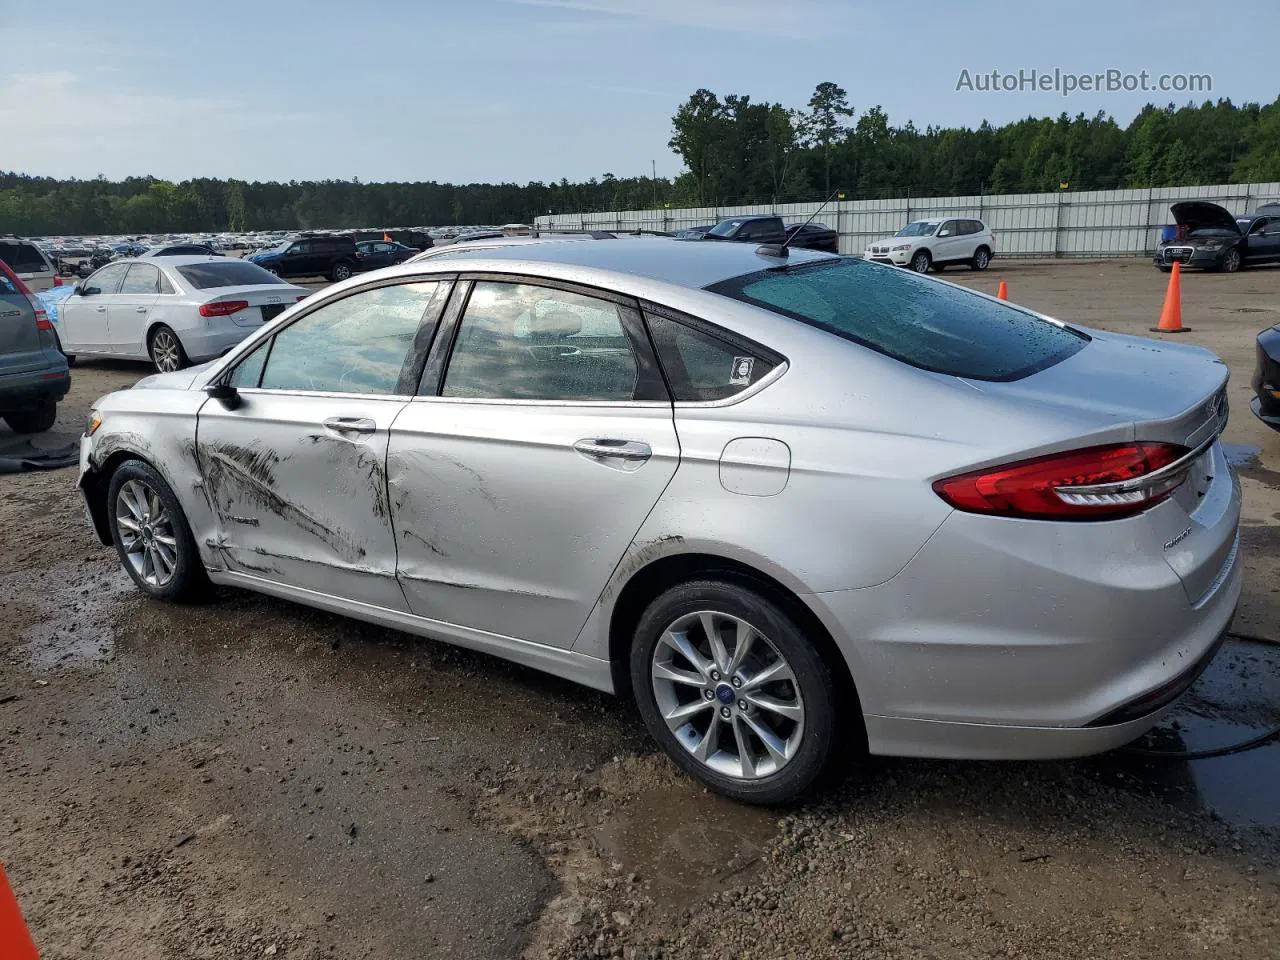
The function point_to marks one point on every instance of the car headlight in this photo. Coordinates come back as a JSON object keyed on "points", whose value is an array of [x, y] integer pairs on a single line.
{"points": [[901, 246], [93, 423], [1213, 245]]}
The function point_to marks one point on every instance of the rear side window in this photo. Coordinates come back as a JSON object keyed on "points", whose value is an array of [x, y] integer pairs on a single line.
{"points": [[227, 273], [701, 365], [22, 257], [929, 325]]}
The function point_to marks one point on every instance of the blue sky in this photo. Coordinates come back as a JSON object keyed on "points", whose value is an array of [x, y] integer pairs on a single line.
{"points": [[519, 90]]}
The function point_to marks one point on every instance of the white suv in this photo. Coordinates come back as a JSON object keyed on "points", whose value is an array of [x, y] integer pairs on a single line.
{"points": [[925, 244], [28, 261]]}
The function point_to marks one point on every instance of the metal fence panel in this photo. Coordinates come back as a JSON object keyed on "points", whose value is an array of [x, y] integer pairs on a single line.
{"points": [[1092, 223]]}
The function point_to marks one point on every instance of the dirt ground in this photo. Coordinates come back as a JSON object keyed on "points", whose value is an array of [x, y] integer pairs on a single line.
{"points": [[251, 778]]}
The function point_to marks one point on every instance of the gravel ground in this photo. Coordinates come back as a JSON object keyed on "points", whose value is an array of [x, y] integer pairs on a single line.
{"points": [[250, 778]]}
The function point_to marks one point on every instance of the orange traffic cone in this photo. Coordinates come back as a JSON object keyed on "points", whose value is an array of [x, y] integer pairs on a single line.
{"points": [[15, 942], [1171, 314], [1002, 292]]}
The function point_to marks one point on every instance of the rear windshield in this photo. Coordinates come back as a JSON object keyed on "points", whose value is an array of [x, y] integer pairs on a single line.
{"points": [[928, 324], [226, 273], [22, 257]]}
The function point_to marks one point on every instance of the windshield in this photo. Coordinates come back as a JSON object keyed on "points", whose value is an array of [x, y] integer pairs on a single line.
{"points": [[226, 273], [929, 325], [725, 228], [921, 228]]}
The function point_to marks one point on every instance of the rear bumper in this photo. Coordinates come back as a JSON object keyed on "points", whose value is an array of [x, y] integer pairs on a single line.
{"points": [[204, 345], [29, 390], [1009, 639], [1266, 379]]}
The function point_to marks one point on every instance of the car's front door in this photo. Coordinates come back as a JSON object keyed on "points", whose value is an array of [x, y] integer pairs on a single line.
{"points": [[127, 312], [1264, 240], [296, 261], [82, 317], [522, 474], [296, 472], [946, 244]]}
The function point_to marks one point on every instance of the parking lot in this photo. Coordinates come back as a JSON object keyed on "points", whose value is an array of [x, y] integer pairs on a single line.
{"points": [[251, 778]]}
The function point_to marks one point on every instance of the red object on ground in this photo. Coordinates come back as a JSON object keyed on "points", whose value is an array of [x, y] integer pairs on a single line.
{"points": [[1002, 292], [15, 942]]}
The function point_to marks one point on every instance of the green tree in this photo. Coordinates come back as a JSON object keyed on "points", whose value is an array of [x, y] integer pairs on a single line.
{"points": [[825, 124]]}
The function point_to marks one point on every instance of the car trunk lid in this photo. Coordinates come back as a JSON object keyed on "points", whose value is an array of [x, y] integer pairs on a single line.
{"points": [[263, 303], [1155, 391]]}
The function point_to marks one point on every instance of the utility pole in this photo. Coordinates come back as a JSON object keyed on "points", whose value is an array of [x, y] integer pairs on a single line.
{"points": [[653, 166]]}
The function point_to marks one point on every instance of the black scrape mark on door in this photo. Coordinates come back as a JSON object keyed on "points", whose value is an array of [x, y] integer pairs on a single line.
{"points": [[414, 535], [349, 455], [252, 471]]}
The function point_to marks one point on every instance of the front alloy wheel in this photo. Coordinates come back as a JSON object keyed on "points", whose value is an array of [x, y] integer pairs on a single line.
{"points": [[147, 539], [1231, 261], [921, 262]]}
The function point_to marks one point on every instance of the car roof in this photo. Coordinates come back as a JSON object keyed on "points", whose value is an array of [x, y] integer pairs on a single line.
{"points": [[183, 260], [683, 263]]}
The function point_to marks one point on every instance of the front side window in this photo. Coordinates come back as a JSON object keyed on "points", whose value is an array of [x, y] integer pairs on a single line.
{"points": [[932, 326], [523, 342], [302, 246], [725, 228], [141, 278], [359, 344], [248, 372], [107, 279]]}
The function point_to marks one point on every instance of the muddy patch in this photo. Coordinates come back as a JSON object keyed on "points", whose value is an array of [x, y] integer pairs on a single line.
{"points": [[73, 620]]}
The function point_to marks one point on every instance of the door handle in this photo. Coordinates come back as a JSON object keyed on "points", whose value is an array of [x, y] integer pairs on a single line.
{"points": [[101, 309], [141, 309], [351, 426], [631, 452]]}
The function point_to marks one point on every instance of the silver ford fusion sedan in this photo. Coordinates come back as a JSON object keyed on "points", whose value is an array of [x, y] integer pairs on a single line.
{"points": [[787, 502]]}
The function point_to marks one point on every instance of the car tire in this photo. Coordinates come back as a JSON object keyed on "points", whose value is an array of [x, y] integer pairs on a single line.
{"points": [[981, 259], [1231, 261], [165, 564], [38, 420], [707, 735], [921, 261], [165, 350], [340, 271]]}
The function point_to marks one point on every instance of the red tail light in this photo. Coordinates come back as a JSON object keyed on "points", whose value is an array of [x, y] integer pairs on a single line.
{"points": [[302, 297], [42, 318], [1097, 483], [223, 308]]}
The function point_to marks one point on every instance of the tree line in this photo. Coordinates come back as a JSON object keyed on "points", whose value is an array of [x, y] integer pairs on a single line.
{"points": [[734, 150]]}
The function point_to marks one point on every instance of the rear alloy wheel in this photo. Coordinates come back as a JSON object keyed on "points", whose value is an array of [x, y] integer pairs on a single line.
{"points": [[166, 350], [981, 259], [151, 534], [341, 271], [731, 688], [33, 421], [1231, 261], [921, 262]]}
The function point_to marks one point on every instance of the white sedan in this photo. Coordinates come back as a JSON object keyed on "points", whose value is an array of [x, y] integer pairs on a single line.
{"points": [[174, 311]]}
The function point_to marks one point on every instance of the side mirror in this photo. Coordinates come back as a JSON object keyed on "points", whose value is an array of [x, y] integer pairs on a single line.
{"points": [[88, 291], [225, 394], [944, 233]]}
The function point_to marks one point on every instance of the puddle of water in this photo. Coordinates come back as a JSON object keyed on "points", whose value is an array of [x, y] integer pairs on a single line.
{"points": [[1236, 699], [75, 628], [1241, 454], [686, 844]]}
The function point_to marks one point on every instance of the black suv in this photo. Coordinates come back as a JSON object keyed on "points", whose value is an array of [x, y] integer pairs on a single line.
{"points": [[312, 255], [758, 229]]}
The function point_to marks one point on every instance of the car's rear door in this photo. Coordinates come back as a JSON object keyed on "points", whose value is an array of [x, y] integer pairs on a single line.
{"points": [[127, 311], [295, 472], [82, 317], [541, 440], [1265, 244]]}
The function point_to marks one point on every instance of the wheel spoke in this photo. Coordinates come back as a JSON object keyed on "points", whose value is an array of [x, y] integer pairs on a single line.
{"points": [[129, 497], [168, 540], [718, 653], [788, 709], [776, 747], [745, 760], [709, 742], [665, 671], [778, 670], [167, 556], [679, 715], [679, 641], [744, 637], [129, 524]]}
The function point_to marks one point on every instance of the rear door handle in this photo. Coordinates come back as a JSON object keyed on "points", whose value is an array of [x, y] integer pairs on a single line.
{"points": [[101, 309], [141, 309], [351, 426], [627, 454]]}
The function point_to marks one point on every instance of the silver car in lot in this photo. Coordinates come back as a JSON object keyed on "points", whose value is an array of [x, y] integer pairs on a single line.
{"points": [[789, 503]]}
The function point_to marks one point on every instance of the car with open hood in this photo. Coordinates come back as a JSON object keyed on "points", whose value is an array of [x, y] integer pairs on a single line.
{"points": [[1210, 237]]}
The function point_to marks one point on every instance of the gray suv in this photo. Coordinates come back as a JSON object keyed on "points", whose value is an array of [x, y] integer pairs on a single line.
{"points": [[33, 372]]}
